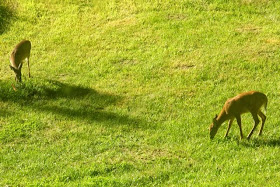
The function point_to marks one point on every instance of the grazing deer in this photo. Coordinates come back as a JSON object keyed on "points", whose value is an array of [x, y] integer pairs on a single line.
{"points": [[20, 53], [245, 102]]}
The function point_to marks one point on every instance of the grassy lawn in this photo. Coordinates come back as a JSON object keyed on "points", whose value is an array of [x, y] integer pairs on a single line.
{"points": [[123, 91]]}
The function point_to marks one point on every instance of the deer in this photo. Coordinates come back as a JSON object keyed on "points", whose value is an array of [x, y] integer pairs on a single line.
{"points": [[251, 101], [18, 55]]}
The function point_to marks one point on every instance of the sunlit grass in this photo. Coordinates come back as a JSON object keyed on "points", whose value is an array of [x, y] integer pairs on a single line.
{"points": [[122, 92]]}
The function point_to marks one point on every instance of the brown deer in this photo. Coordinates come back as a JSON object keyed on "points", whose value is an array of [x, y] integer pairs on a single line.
{"points": [[20, 53], [233, 108]]}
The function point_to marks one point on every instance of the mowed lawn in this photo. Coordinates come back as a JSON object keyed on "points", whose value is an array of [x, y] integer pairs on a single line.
{"points": [[123, 91]]}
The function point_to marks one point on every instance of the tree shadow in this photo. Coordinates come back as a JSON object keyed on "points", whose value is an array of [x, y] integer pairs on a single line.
{"points": [[68, 101], [4, 113], [6, 15], [36, 90], [59, 89]]}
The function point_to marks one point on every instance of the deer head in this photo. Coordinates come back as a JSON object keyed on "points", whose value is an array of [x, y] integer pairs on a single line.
{"points": [[17, 72], [214, 127]]}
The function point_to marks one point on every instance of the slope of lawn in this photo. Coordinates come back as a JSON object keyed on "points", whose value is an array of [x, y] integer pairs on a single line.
{"points": [[122, 92]]}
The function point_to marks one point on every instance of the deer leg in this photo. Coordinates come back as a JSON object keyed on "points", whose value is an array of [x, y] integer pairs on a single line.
{"points": [[257, 121], [263, 121], [238, 119], [28, 67], [229, 126]]}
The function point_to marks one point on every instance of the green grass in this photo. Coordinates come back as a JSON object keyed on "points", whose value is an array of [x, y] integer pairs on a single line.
{"points": [[123, 92]]}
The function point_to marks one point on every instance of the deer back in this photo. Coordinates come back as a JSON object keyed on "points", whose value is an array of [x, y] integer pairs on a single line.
{"points": [[246, 102], [20, 52]]}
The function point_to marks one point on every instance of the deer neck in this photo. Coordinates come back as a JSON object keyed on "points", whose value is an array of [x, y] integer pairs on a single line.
{"points": [[223, 116]]}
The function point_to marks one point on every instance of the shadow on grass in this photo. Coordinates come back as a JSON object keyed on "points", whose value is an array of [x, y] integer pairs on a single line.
{"points": [[254, 142], [68, 101], [261, 142], [6, 15], [4, 113]]}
